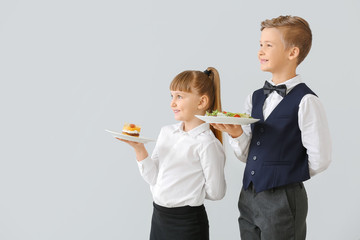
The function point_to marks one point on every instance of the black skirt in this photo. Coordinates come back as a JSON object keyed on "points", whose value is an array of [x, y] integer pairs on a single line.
{"points": [[180, 223]]}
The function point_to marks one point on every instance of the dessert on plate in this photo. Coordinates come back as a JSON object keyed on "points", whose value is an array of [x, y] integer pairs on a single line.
{"points": [[131, 129]]}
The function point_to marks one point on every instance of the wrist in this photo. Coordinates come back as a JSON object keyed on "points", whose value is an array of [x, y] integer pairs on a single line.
{"points": [[141, 154], [236, 134]]}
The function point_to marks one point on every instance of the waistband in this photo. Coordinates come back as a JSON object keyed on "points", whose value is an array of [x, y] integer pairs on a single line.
{"points": [[287, 186], [179, 210]]}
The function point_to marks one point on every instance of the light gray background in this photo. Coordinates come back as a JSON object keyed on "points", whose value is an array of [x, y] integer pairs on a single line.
{"points": [[70, 69]]}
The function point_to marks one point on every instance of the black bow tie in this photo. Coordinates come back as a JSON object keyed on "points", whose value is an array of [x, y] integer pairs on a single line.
{"points": [[268, 88]]}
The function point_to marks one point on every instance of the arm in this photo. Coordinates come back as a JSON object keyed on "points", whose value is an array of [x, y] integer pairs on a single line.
{"points": [[239, 136], [241, 146], [234, 131], [149, 168], [147, 165], [212, 158], [140, 150], [315, 133]]}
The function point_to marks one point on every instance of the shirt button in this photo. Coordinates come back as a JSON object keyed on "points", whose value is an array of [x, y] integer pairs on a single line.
{"points": [[254, 157], [253, 173], [258, 143]]}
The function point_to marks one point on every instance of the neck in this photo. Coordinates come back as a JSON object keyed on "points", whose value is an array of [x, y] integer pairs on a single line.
{"points": [[189, 125], [280, 77]]}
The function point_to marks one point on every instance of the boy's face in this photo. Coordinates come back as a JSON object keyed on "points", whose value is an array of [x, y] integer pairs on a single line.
{"points": [[272, 54]]}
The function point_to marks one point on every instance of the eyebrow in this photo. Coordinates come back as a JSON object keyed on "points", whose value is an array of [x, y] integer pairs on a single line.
{"points": [[178, 92]]}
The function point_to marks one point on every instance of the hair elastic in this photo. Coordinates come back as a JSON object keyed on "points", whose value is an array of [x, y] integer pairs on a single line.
{"points": [[207, 72]]}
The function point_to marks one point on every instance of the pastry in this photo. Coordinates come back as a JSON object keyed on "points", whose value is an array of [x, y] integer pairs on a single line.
{"points": [[131, 130]]}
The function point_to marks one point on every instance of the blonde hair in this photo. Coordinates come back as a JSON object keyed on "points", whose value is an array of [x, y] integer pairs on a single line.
{"points": [[295, 31], [203, 84]]}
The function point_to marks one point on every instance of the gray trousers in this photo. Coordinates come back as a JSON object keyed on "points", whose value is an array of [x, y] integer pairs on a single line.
{"points": [[275, 214]]}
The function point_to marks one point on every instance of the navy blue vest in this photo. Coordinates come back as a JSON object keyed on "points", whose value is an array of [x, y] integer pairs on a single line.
{"points": [[276, 154]]}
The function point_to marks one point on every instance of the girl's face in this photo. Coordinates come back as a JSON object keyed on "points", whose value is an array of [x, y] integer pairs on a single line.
{"points": [[186, 105]]}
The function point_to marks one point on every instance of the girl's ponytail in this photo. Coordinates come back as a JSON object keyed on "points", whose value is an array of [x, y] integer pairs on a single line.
{"points": [[216, 104]]}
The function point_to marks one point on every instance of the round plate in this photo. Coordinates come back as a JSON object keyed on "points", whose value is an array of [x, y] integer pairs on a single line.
{"points": [[227, 120], [130, 138]]}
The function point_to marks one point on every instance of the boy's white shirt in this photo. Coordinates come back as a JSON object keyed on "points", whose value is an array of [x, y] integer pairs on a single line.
{"points": [[313, 125]]}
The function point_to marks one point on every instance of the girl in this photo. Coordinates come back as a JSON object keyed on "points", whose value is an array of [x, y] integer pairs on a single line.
{"points": [[187, 164]]}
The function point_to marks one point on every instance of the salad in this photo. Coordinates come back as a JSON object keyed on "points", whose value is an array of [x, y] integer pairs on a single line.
{"points": [[217, 113]]}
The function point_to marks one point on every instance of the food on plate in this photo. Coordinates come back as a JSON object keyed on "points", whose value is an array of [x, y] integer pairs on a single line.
{"points": [[131, 130], [217, 113]]}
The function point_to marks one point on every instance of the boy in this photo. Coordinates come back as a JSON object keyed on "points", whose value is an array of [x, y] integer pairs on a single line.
{"points": [[290, 143]]}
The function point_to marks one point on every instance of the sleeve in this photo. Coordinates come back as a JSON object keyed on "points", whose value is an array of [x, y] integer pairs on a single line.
{"points": [[212, 159], [315, 133], [149, 167], [241, 144]]}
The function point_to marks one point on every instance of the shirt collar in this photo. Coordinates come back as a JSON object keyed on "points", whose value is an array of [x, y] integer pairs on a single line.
{"points": [[193, 132], [290, 84]]}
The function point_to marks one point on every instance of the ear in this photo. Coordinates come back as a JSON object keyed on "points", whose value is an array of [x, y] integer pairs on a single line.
{"points": [[203, 103], [294, 53]]}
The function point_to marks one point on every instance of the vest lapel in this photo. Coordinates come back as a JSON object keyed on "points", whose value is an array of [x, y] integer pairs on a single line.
{"points": [[283, 101]]}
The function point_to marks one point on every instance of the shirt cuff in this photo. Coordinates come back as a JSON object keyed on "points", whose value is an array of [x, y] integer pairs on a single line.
{"points": [[240, 146], [144, 163], [237, 140]]}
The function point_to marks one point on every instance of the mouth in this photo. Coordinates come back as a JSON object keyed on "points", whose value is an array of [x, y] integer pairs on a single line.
{"points": [[176, 111], [263, 61]]}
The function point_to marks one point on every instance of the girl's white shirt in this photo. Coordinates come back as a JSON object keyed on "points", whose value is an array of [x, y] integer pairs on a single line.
{"points": [[312, 122], [185, 167]]}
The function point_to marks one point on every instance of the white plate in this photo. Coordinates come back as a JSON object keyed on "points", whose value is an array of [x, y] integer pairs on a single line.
{"points": [[130, 138], [227, 120]]}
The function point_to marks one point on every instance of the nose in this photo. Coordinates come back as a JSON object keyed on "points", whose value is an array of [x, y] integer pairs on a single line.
{"points": [[260, 52], [173, 103]]}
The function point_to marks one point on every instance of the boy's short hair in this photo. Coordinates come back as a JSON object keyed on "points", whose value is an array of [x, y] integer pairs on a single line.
{"points": [[295, 31]]}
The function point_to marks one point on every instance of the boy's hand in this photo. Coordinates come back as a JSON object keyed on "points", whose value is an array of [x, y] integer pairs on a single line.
{"points": [[139, 148], [233, 130]]}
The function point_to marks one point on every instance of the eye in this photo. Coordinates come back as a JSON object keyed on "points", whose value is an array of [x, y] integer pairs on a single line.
{"points": [[269, 45], [179, 96]]}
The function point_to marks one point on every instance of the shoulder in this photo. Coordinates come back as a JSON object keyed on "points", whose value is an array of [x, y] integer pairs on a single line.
{"points": [[258, 92], [207, 139], [168, 130], [308, 96], [207, 136], [211, 147], [310, 101], [303, 89]]}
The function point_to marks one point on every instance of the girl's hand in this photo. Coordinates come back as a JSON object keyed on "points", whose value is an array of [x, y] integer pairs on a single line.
{"points": [[131, 143], [233, 130], [139, 148]]}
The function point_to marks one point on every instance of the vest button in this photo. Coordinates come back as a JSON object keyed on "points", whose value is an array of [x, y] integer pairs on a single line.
{"points": [[253, 173], [258, 143], [254, 157]]}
